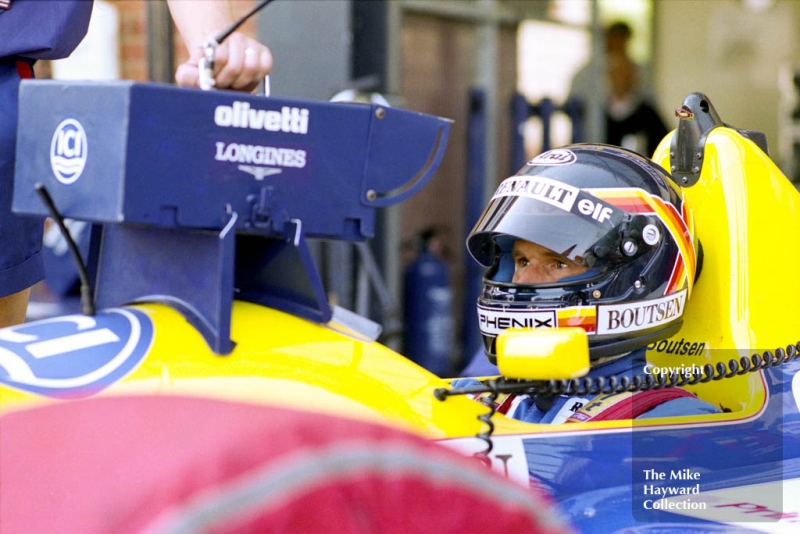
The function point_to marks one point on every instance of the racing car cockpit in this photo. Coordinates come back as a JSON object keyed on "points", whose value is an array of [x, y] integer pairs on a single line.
{"points": [[216, 294], [732, 327]]}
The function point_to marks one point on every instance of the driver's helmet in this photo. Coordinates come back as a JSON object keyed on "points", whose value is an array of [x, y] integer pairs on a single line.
{"points": [[609, 209]]}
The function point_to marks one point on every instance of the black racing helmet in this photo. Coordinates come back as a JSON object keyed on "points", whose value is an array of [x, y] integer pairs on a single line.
{"points": [[606, 208]]}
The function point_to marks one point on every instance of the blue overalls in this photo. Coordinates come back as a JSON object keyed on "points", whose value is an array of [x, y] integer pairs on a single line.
{"points": [[31, 30], [560, 409]]}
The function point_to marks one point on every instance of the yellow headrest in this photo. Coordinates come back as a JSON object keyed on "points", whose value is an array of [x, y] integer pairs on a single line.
{"points": [[747, 217]]}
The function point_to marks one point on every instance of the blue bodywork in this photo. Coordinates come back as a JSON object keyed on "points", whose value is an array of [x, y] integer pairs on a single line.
{"points": [[604, 480]]}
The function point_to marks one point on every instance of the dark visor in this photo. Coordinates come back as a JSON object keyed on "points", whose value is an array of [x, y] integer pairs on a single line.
{"points": [[566, 229]]}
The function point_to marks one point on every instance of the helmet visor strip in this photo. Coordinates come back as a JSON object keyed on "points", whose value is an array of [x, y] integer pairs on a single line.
{"points": [[554, 215]]}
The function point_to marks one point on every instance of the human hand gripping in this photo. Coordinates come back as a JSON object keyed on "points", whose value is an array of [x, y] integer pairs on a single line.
{"points": [[240, 63]]}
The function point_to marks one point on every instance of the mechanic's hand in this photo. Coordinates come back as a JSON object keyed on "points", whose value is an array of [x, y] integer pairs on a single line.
{"points": [[240, 63]]}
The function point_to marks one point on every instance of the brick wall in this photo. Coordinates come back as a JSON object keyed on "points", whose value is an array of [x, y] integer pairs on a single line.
{"points": [[133, 35], [133, 38]]}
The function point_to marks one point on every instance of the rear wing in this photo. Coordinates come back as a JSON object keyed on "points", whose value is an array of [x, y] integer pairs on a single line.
{"points": [[173, 175]]}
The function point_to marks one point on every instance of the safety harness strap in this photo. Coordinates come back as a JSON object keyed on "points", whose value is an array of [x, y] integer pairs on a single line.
{"points": [[626, 405]]}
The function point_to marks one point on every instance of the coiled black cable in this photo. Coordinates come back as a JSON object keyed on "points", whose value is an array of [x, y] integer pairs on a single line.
{"points": [[602, 385], [490, 401], [640, 382]]}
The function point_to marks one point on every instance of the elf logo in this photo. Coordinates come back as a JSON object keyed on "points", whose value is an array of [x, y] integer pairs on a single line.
{"points": [[595, 210], [68, 150]]}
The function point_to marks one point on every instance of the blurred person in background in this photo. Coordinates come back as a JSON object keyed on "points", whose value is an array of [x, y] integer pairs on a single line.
{"points": [[631, 120]]}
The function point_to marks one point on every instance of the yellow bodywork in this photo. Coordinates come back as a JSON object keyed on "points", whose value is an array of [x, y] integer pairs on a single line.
{"points": [[285, 360], [748, 220], [747, 217]]}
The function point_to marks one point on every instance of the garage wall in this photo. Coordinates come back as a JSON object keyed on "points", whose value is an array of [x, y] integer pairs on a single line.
{"points": [[438, 70], [728, 51]]}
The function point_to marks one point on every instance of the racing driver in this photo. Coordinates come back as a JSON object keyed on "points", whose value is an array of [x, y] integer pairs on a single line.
{"points": [[592, 236]]}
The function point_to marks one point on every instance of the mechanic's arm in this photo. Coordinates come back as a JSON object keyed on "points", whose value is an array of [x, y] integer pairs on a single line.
{"points": [[240, 62]]}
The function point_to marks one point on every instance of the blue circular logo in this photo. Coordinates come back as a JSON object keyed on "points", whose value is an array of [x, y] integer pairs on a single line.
{"points": [[68, 150], [75, 355]]}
